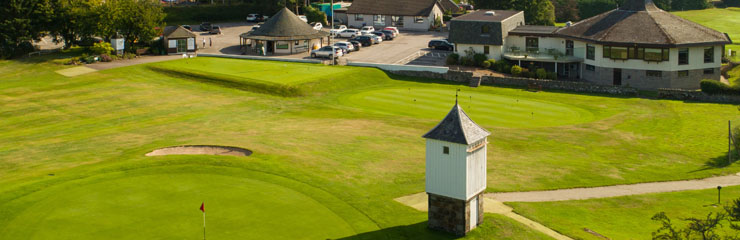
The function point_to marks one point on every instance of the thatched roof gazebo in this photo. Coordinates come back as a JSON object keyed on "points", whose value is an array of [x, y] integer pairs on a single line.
{"points": [[284, 33]]}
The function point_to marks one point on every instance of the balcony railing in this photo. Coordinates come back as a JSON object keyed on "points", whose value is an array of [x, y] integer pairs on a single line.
{"points": [[545, 54]]}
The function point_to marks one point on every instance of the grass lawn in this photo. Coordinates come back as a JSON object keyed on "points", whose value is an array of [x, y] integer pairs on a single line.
{"points": [[624, 217], [72, 149], [734, 75], [724, 20]]}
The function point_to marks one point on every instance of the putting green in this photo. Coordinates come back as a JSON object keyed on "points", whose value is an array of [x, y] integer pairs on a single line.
{"points": [[165, 206], [485, 108]]}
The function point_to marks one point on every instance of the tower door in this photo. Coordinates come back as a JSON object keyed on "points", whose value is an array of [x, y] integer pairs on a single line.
{"points": [[617, 77], [473, 212]]}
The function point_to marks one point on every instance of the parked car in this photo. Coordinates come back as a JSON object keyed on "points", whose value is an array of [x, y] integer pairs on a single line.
{"points": [[346, 46], [317, 26], [367, 29], [364, 40], [356, 44], [376, 39], [337, 21], [187, 27], [215, 29], [255, 17], [205, 26], [394, 29], [334, 31], [303, 17], [441, 44], [382, 35], [327, 51], [389, 35], [349, 33]]}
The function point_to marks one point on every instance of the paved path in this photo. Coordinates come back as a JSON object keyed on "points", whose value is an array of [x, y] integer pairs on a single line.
{"points": [[616, 191]]}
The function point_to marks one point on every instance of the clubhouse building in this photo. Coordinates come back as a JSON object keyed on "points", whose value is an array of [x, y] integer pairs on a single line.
{"points": [[283, 33], [636, 45]]}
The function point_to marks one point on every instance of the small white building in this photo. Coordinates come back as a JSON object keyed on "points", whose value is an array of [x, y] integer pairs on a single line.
{"points": [[415, 15], [456, 173]]}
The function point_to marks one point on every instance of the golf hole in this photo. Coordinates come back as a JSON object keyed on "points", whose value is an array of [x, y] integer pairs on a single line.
{"points": [[201, 150]]}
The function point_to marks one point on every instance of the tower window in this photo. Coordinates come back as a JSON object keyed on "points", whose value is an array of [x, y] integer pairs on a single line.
{"points": [[446, 150]]}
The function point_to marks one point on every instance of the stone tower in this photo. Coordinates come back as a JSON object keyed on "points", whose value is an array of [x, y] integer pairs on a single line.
{"points": [[456, 173]]}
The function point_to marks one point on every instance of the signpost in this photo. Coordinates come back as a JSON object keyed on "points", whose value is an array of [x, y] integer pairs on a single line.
{"points": [[118, 45]]}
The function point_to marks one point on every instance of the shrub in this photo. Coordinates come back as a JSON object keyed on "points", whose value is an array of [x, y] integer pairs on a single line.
{"points": [[507, 68], [552, 76], [129, 55], [526, 73], [101, 48], [731, 3], [491, 63], [736, 138], [516, 70], [479, 58], [541, 73], [105, 58], [452, 59], [716, 87], [486, 64]]}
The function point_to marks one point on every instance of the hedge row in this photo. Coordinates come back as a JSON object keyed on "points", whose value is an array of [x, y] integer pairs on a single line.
{"points": [[716, 87]]}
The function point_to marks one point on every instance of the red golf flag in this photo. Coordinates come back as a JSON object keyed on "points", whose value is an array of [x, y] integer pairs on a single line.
{"points": [[203, 207]]}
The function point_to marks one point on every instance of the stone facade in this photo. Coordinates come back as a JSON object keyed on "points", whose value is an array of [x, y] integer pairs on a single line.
{"points": [[452, 215], [687, 95], [559, 85], [639, 78]]}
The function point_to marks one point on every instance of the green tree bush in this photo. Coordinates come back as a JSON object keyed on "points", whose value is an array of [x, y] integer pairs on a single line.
{"points": [[21, 22], [479, 58], [101, 48], [541, 73], [709, 86], [552, 76], [516, 70], [315, 15], [486, 64], [452, 59]]}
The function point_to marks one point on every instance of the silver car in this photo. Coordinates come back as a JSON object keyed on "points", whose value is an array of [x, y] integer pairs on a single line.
{"points": [[376, 39], [328, 52], [347, 46]]}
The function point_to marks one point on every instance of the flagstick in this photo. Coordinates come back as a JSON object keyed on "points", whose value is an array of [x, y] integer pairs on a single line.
{"points": [[204, 225]]}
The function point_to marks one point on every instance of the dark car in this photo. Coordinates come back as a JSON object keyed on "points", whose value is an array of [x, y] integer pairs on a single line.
{"points": [[441, 45], [381, 35], [215, 29], [205, 26], [388, 34], [364, 40], [357, 44]]}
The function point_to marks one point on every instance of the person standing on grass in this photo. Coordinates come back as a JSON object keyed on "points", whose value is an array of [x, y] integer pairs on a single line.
{"points": [[204, 42]]}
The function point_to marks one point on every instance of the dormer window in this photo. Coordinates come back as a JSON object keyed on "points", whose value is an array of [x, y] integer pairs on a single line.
{"points": [[446, 150], [485, 29]]}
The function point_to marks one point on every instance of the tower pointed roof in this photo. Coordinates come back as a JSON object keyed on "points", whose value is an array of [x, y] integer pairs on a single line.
{"points": [[640, 22], [285, 25], [457, 127]]}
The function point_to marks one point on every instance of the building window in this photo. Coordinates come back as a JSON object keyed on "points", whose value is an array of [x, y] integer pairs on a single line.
{"points": [[619, 53], [397, 21], [446, 150], [297, 42], [684, 73], [683, 56], [486, 50], [379, 19], [606, 52], [709, 71], [533, 44], [485, 29], [590, 67], [418, 19], [590, 52], [656, 54], [653, 73], [708, 54], [359, 17]]}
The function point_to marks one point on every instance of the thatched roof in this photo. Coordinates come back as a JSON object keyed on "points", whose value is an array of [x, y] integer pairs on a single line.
{"points": [[640, 22], [177, 32], [392, 7], [286, 26], [449, 5], [457, 127]]}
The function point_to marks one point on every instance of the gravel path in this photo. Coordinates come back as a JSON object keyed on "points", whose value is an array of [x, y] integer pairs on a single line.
{"points": [[615, 191]]}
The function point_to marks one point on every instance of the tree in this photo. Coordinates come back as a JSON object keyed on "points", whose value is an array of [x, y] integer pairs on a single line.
{"points": [[75, 19], [536, 12], [566, 10], [590, 8], [682, 5], [135, 20], [705, 229], [23, 21], [315, 15]]}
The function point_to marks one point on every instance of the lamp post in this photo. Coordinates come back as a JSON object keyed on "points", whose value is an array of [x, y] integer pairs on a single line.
{"points": [[719, 188]]}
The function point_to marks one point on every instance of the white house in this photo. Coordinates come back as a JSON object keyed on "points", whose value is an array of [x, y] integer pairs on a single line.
{"points": [[637, 45], [456, 172], [415, 15]]}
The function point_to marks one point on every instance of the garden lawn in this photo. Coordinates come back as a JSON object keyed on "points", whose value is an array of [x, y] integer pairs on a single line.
{"points": [[73, 148], [724, 20], [734, 75], [624, 217]]}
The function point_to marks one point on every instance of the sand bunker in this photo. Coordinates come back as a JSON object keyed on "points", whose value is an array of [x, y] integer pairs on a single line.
{"points": [[201, 150]]}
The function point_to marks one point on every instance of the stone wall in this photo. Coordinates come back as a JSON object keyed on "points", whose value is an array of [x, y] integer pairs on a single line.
{"points": [[448, 214], [688, 95], [559, 85], [639, 79]]}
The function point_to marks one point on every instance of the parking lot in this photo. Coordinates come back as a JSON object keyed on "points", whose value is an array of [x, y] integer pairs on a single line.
{"points": [[407, 48]]}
